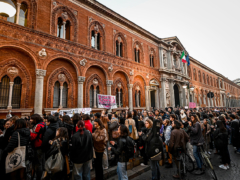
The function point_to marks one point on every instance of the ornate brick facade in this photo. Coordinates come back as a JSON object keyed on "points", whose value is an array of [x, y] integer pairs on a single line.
{"points": [[39, 58]]}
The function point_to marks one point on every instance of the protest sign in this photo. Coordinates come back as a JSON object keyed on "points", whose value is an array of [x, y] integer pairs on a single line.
{"points": [[106, 101], [192, 105]]}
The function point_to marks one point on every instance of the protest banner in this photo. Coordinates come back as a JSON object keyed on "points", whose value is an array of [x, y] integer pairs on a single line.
{"points": [[71, 112], [192, 105], [106, 101]]}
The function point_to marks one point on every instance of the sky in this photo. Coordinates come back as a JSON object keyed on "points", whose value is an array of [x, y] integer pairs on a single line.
{"points": [[208, 29]]}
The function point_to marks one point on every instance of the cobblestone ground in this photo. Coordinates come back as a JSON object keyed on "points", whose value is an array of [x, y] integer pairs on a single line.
{"points": [[232, 174]]}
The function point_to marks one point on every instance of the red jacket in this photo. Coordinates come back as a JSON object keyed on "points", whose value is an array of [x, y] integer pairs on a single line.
{"points": [[88, 125], [37, 134]]}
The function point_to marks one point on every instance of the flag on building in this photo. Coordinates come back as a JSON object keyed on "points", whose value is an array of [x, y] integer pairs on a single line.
{"points": [[188, 61], [183, 57]]}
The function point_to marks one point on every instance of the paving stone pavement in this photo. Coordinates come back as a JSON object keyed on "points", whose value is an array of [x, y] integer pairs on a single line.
{"points": [[232, 174]]}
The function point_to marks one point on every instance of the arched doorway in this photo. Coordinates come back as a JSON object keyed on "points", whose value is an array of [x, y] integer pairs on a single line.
{"points": [[176, 95]]}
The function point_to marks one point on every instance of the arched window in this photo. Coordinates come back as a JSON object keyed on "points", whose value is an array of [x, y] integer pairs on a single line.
{"points": [[199, 76], [96, 40], [137, 55], [138, 52], [207, 80], [211, 81], [151, 58], [4, 92], [119, 47], [67, 29], [23, 15], [119, 97], [137, 97], [13, 18], [91, 92], [60, 28], [65, 95], [194, 74], [16, 95], [56, 95], [189, 72], [204, 81]]}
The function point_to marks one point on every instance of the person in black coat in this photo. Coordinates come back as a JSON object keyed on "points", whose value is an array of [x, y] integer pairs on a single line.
{"points": [[81, 152], [50, 133], [62, 140], [120, 149], [235, 133], [24, 133], [220, 137], [67, 123]]}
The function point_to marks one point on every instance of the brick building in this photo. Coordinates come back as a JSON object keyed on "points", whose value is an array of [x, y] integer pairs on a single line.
{"points": [[62, 53]]}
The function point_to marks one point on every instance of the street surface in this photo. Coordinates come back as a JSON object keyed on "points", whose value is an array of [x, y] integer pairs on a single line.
{"points": [[232, 174]]}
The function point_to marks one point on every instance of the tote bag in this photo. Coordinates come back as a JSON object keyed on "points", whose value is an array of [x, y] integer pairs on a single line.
{"points": [[55, 162], [16, 159]]}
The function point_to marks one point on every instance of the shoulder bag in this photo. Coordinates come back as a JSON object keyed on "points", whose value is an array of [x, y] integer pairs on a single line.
{"points": [[55, 162], [16, 159]]}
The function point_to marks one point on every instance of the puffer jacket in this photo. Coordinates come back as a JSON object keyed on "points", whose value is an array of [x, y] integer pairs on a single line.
{"points": [[49, 135], [120, 149], [24, 139], [100, 139], [167, 134], [37, 134]]}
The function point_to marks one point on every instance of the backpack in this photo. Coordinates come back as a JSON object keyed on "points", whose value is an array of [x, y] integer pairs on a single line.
{"points": [[130, 147], [129, 127]]}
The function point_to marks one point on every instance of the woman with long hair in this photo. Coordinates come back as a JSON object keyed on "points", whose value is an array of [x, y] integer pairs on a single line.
{"points": [[20, 129], [61, 140], [221, 142], [196, 138], [67, 123], [81, 152], [99, 142], [105, 122]]}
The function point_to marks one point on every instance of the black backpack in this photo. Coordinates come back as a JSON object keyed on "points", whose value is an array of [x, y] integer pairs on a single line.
{"points": [[130, 147]]}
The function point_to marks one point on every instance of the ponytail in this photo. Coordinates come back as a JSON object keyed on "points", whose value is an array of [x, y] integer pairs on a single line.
{"points": [[80, 126]]}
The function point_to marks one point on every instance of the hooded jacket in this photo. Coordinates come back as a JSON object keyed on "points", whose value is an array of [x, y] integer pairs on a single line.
{"points": [[24, 139], [49, 135]]}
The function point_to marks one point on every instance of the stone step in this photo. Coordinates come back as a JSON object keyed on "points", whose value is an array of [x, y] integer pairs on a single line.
{"points": [[135, 172], [111, 172]]}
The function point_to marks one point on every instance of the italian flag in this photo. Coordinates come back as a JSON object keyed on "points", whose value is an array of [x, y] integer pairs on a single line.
{"points": [[183, 57]]}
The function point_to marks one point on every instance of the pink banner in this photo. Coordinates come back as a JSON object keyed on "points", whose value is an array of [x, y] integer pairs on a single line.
{"points": [[192, 105], [106, 101]]}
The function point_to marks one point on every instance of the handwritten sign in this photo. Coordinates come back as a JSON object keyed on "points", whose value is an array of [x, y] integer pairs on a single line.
{"points": [[192, 105], [106, 101]]}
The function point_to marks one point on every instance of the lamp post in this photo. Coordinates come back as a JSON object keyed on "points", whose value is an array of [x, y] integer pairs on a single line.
{"points": [[7, 8]]}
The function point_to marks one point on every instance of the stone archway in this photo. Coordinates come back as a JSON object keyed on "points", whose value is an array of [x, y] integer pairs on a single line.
{"points": [[176, 95]]}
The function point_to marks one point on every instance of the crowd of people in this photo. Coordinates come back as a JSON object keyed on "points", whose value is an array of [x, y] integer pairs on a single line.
{"points": [[62, 147]]}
